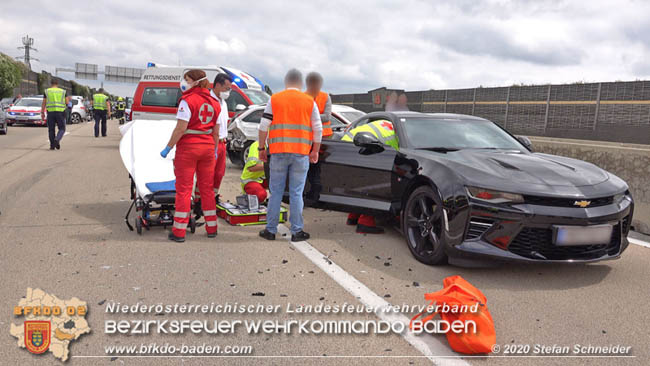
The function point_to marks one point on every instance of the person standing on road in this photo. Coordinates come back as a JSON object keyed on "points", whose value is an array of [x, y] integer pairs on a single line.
{"points": [[68, 111], [221, 91], [195, 138], [314, 83], [121, 106], [54, 102], [291, 121], [101, 111]]}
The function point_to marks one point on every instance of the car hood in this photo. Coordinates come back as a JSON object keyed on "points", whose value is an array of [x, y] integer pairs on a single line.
{"points": [[20, 109], [512, 170]]}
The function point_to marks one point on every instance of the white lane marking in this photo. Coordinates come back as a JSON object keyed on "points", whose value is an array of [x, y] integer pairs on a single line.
{"points": [[427, 345], [639, 242]]}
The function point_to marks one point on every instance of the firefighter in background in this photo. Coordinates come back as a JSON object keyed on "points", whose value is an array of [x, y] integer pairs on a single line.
{"points": [[384, 132], [195, 138], [121, 106], [314, 82], [101, 111], [253, 178]]}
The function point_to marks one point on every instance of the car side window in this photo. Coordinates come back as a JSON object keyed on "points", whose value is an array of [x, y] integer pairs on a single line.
{"points": [[335, 122], [254, 117], [161, 97], [234, 99]]}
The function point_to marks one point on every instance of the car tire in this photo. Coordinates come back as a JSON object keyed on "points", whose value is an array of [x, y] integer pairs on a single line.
{"points": [[75, 118], [423, 224]]}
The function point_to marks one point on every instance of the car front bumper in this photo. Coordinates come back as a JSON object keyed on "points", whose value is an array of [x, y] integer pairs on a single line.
{"points": [[524, 232], [27, 120]]}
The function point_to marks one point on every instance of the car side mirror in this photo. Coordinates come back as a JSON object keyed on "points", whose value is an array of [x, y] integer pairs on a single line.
{"points": [[368, 142], [240, 107], [526, 142]]}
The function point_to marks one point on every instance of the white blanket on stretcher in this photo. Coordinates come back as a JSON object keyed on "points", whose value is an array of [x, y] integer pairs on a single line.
{"points": [[142, 141]]}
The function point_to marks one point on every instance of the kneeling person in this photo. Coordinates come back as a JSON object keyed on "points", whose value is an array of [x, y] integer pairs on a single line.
{"points": [[253, 179]]}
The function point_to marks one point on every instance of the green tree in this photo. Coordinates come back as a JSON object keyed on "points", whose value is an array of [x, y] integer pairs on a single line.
{"points": [[10, 75]]}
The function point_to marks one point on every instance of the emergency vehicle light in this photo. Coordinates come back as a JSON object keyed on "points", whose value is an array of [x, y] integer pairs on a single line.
{"points": [[151, 64]]}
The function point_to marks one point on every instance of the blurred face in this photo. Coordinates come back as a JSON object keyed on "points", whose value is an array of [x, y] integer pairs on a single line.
{"points": [[226, 87], [314, 86], [402, 100]]}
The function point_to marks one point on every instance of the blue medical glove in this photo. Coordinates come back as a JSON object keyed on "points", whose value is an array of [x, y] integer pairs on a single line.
{"points": [[216, 152], [165, 151]]}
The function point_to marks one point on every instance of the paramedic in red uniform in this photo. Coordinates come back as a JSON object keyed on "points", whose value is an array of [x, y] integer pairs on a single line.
{"points": [[195, 137], [221, 91]]}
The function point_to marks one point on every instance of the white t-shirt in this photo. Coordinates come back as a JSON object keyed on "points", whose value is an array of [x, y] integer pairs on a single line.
{"points": [[183, 112], [222, 120]]}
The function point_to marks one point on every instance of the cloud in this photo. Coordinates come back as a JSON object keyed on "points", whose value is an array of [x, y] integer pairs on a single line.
{"points": [[355, 45]]}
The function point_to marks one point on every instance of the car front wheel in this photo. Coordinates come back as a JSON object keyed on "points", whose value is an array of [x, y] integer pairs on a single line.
{"points": [[75, 118], [424, 225]]}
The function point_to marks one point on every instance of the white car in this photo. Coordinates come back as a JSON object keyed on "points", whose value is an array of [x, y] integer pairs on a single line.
{"points": [[243, 128], [26, 111], [79, 112]]}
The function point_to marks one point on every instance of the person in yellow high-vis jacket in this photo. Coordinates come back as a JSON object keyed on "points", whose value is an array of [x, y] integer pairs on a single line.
{"points": [[382, 130], [253, 178], [101, 111], [55, 103]]}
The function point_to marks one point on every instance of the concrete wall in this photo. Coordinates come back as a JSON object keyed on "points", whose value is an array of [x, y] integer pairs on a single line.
{"points": [[631, 162]]}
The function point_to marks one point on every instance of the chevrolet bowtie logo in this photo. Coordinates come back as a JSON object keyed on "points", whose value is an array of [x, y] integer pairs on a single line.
{"points": [[582, 203]]}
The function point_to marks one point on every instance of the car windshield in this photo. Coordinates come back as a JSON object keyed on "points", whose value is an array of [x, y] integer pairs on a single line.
{"points": [[352, 115], [29, 102], [430, 133], [256, 96]]}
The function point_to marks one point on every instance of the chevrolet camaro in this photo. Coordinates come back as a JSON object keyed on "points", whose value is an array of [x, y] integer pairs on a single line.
{"points": [[466, 190]]}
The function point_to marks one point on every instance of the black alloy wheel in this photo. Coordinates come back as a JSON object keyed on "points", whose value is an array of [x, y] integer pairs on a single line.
{"points": [[424, 226]]}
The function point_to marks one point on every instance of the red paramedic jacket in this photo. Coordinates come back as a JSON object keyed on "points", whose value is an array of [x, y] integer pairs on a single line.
{"points": [[205, 111]]}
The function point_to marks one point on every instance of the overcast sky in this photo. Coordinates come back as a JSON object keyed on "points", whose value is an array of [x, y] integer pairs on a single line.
{"points": [[357, 45]]}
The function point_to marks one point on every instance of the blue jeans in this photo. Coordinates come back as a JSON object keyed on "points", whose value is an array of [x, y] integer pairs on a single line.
{"points": [[294, 166]]}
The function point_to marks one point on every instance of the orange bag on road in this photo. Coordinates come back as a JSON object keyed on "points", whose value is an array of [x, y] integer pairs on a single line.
{"points": [[457, 291]]}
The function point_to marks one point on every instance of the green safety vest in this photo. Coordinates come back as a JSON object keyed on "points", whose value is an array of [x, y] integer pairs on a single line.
{"points": [[253, 159], [121, 106], [55, 100], [379, 129], [99, 102]]}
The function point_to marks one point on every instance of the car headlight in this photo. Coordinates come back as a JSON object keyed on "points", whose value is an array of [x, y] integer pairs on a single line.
{"points": [[619, 197], [493, 196], [12, 113]]}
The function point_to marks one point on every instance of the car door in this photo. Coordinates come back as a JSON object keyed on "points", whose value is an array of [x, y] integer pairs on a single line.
{"points": [[354, 179]]}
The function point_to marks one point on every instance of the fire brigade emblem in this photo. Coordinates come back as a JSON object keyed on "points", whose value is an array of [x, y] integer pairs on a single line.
{"points": [[37, 335], [206, 113]]}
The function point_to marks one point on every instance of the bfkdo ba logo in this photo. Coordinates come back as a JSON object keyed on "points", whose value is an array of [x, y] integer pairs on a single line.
{"points": [[37, 335]]}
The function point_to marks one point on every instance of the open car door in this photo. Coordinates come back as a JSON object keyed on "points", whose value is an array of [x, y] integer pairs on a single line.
{"points": [[355, 179]]}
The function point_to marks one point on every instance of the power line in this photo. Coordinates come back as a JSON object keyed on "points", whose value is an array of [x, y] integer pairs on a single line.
{"points": [[28, 43]]}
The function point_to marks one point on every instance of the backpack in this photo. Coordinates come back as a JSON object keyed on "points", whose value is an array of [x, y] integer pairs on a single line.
{"points": [[457, 291]]}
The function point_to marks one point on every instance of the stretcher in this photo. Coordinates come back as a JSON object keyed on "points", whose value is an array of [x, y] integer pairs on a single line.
{"points": [[153, 191], [241, 215]]}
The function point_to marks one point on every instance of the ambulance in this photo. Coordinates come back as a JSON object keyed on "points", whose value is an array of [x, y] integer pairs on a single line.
{"points": [[158, 93]]}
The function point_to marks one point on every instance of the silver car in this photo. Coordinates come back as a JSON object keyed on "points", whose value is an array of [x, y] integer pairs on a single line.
{"points": [[243, 128], [79, 112]]}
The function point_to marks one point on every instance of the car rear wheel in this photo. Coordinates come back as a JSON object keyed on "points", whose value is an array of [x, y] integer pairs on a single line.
{"points": [[75, 118], [424, 225]]}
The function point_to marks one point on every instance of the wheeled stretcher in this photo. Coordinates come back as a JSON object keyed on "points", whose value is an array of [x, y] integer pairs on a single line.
{"points": [[153, 191]]}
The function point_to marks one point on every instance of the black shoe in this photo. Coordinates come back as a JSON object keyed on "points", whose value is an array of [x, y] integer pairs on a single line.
{"points": [[299, 236], [175, 238], [212, 235], [57, 145], [217, 198], [51, 147], [267, 235], [352, 222], [363, 229]]}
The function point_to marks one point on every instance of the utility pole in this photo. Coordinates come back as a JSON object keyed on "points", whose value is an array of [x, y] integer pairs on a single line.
{"points": [[28, 43]]}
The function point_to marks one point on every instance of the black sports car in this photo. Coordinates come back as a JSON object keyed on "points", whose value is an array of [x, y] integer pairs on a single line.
{"points": [[466, 189]]}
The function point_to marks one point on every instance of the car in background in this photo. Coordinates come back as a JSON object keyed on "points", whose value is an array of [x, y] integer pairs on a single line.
{"points": [[26, 111], [5, 103], [3, 123], [158, 93], [243, 128], [127, 110], [79, 112]]}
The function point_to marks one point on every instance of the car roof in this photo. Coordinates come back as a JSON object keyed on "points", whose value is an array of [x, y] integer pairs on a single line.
{"points": [[410, 114], [344, 108]]}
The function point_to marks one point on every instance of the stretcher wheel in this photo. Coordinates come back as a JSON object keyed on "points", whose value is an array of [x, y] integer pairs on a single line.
{"points": [[192, 225], [138, 225]]}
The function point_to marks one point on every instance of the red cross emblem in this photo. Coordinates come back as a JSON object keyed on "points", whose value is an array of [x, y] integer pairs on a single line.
{"points": [[205, 113], [387, 125]]}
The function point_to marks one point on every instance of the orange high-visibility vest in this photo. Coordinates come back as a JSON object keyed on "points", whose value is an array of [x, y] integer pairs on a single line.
{"points": [[290, 130], [321, 100]]}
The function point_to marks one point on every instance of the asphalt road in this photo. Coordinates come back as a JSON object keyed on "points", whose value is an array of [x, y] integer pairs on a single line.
{"points": [[63, 231]]}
